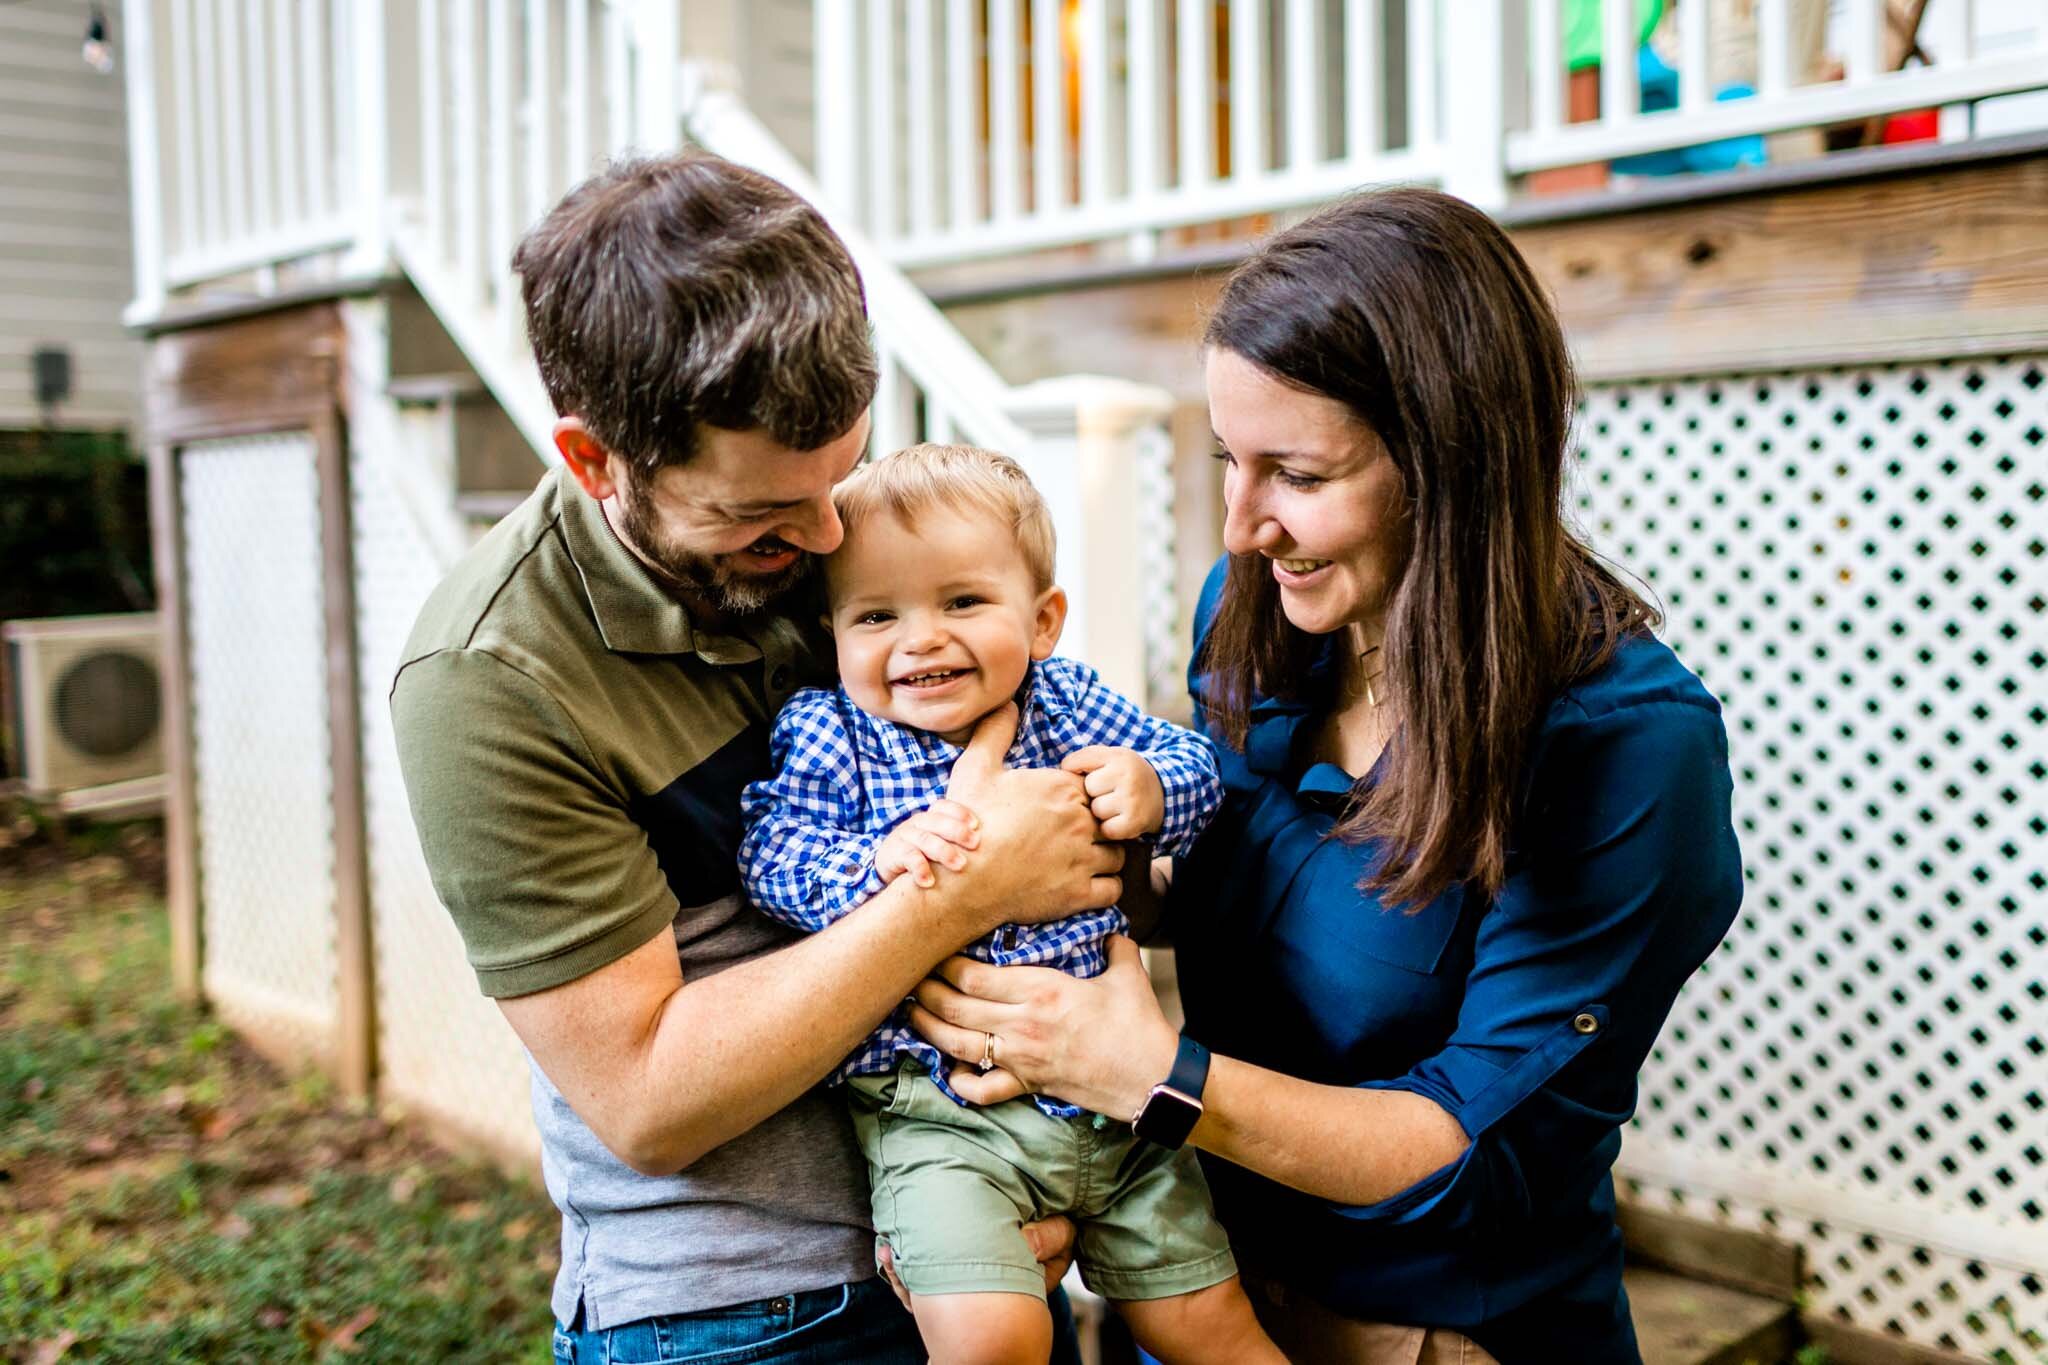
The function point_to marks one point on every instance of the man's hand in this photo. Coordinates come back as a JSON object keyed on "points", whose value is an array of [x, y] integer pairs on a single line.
{"points": [[937, 834], [1123, 790], [1041, 857]]}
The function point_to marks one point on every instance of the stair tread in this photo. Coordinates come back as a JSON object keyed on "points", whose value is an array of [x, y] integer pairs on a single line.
{"points": [[1688, 1322], [433, 388]]}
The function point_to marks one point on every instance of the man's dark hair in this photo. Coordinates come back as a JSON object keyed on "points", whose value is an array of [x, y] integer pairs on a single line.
{"points": [[671, 293]]}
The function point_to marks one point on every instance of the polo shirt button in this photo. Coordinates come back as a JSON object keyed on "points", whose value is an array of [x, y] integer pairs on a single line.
{"points": [[1585, 1023], [779, 679]]}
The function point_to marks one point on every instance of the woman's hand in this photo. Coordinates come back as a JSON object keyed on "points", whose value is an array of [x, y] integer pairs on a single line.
{"points": [[1102, 1044]]}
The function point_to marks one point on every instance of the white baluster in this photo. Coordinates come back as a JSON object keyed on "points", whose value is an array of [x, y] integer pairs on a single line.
{"points": [[502, 113], [264, 214], [212, 156], [963, 118], [1247, 101], [1145, 153], [1049, 110], [882, 129], [317, 107], [1546, 66], [1773, 47], [1865, 40], [145, 200], [1618, 43], [921, 147], [466, 146], [543, 92], [187, 142], [1364, 79], [836, 69], [1094, 56], [234, 121], [1694, 77], [1305, 104], [1006, 113], [1474, 122], [657, 51], [284, 106], [370, 185], [576, 146], [433, 133], [1422, 74], [1194, 37], [616, 80]]}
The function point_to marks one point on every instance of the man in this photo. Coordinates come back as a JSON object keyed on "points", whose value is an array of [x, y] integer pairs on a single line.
{"points": [[578, 709]]}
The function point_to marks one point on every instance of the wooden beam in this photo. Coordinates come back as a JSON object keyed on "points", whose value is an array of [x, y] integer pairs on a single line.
{"points": [[354, 961], [1752, 1261], [1947, 261], [1916, 267], [181, 826]]}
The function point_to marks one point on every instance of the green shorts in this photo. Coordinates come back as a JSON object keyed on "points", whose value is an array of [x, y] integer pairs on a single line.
{"points": [[953, 1185]]}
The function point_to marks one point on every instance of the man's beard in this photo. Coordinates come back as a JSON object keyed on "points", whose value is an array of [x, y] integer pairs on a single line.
{"points": [[724, 588]]}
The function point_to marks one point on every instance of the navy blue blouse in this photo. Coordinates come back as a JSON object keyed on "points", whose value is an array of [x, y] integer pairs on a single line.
{"points": [[1526, 1016]]}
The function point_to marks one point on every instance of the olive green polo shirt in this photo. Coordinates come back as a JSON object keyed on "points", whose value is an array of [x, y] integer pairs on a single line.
{"points": [[574, 747]]}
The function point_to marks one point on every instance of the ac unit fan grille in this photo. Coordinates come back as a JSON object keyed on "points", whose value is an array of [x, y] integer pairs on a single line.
{"points": [[106, 703]]}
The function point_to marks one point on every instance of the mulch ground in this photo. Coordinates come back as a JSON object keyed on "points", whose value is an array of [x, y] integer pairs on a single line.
{"points": [[167, 1195]]}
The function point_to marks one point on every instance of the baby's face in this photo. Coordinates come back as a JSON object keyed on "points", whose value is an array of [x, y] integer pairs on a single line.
{"points": [[936, 624]]}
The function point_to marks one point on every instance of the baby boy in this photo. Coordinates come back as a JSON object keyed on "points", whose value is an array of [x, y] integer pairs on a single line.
{"points": [[943, 610]]}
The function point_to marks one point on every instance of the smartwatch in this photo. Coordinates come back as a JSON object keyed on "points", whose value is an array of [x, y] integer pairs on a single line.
{"points": [[1169, 1113]]}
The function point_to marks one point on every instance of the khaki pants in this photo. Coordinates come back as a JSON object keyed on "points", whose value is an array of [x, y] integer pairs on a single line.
{"points": [[1310, 1334]]}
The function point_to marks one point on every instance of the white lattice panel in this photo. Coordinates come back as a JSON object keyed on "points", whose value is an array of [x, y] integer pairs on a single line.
{"points": [[443, 1047], [260, 738], [1854, 562], [1166, 645]]}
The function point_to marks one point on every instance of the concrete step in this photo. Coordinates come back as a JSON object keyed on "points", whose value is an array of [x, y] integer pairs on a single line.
{"points": [[1682, 1321]]}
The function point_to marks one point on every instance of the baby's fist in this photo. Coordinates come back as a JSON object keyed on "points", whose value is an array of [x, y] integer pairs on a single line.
{"points": [[935, 835], [1123, 790]]}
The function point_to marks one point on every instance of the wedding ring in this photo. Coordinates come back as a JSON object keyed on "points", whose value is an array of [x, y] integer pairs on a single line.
{"points": [[988, 1051]]}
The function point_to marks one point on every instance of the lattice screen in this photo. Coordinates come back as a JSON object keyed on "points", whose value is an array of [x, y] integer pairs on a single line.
{"points": [[260, 740], [1853, 561], [443, 1048]]}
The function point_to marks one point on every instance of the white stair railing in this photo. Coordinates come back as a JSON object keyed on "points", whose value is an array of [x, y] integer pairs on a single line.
{"points": [[1099, 125], [963, 129], [517, 101], [1097, 448]]}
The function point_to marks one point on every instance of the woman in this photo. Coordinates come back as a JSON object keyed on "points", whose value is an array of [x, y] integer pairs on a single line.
{"points": [[1476, 835]]}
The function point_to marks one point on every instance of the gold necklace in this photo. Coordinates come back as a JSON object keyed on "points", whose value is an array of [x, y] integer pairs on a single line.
{"points": [[1369, 671]]}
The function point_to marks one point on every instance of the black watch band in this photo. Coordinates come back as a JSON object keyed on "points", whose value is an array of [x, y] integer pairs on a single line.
{"points": [[1190, 1068], [1172, 1109]]}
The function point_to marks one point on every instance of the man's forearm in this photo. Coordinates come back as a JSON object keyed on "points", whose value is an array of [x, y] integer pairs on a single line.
{"points": [[724, 1052]]}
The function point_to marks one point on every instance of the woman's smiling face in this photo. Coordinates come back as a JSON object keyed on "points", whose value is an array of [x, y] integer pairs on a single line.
{"points": [[1308, 487]]}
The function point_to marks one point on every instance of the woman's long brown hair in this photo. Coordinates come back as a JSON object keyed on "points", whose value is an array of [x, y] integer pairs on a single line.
{"points": [[1415, 311]]}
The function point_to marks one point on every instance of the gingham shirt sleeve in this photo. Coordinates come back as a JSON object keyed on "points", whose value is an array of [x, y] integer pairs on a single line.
{"points": [[1185, 762], [806, 857]]}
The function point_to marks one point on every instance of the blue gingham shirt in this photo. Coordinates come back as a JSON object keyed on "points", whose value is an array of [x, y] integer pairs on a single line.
{"points": [[844, 779]]}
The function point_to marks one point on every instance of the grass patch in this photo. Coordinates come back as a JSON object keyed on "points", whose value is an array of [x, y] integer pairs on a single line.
{"points": [[166, 1195]]}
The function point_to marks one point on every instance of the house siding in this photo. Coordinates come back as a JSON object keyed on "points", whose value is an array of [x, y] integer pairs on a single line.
{"points": [[66, 268]]}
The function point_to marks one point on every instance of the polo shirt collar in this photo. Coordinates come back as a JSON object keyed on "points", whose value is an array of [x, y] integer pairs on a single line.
{"points": [[634, 614]]}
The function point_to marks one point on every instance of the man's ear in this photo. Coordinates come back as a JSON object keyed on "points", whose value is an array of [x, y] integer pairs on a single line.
{"points": [[590, 464], [1049, 622]]}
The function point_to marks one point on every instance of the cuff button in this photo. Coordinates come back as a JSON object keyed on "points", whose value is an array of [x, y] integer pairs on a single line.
{"points": [[1585, 1023]]}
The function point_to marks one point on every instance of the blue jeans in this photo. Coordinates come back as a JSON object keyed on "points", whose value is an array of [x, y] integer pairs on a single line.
{"points": [[854, 1322]]}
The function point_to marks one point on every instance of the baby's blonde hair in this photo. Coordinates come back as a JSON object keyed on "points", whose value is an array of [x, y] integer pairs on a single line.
{"points": [[962, 478]]}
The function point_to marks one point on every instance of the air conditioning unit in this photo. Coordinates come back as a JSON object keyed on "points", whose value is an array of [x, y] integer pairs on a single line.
{"points": [[87, 710]]}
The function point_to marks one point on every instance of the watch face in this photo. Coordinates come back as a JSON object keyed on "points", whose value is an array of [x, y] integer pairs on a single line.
{"points": [[1168, 1118]]}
